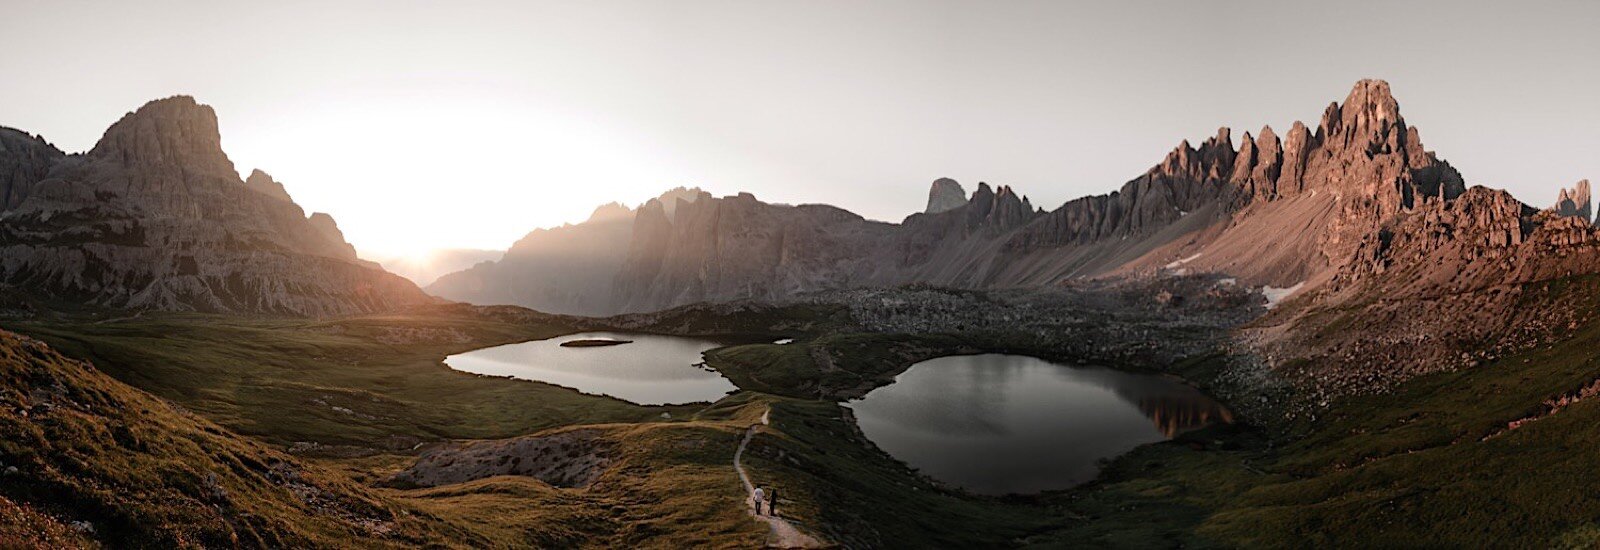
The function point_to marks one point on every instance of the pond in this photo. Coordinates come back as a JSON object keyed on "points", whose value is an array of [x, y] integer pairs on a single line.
{"points": [[646, 369], [999, 424]]}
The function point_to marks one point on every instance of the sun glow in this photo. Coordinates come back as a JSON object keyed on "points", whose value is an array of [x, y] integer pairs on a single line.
{"points": [[412, 162]]}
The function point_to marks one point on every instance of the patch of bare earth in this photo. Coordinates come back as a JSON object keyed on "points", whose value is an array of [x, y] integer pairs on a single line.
{"points": [[572, 458]]}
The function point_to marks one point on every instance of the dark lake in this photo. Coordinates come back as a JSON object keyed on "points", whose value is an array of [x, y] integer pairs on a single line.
{"points": [[652, 370], [998, 424]]}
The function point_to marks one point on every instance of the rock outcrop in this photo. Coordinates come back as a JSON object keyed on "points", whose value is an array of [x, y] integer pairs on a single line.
{"points": [[1575, 202], [945, 194], [156, 217]]}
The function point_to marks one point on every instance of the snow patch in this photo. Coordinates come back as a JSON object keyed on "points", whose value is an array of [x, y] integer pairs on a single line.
{"points": [[1275, 295], [784, 341], [1184, 261]]}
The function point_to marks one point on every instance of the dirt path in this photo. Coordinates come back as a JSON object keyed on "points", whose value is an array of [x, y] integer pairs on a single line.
{"points": [[784, 534]]}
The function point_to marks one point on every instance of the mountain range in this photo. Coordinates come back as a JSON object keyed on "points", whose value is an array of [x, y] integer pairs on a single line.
{"points": [[1302, 211]]}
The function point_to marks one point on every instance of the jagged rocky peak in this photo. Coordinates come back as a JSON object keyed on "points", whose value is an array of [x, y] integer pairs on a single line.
{"points": [[997, 209], [1369, 123], [1213, 161], [669, 200], [983, 194], [1009, 210], [176, 131], [611, 211], [1370, 111], [263, 183], [1575, 202], [946, 194]]}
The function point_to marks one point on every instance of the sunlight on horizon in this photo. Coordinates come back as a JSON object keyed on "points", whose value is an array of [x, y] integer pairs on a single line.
{"points": [[550, 165]]}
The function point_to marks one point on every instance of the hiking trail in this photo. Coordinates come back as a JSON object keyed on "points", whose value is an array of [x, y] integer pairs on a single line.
{"points": [[784, 534]]}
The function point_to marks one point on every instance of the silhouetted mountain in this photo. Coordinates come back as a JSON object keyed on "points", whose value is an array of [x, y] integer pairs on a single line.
{"points": [[566, 269], [156, 217]]}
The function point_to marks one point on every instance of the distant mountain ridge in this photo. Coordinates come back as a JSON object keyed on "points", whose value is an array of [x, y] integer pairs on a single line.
{"points": [[426, 269], [1270, 211], [156, 217]]}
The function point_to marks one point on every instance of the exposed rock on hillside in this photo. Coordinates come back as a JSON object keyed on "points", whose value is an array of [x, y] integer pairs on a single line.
{"points": [[945, 194], [570, 458], [155, 217], [1447, 285]]}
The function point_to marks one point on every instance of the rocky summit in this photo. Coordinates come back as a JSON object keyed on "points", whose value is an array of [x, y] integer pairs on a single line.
{"points": [[945, 194], [155, 217], [1575, 202]]}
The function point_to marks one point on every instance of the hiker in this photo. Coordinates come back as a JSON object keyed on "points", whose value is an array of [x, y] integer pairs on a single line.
{"points": [[772, 502], [758, 497]]}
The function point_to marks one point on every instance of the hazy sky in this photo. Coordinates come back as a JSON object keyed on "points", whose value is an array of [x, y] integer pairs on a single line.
{"points": [[421, 125]]}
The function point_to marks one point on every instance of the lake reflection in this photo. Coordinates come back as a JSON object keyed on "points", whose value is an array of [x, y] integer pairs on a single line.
{"points": [[652, 370], [999, 424]]}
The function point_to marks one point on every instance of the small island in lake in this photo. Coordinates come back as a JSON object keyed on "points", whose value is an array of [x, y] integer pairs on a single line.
{"points": [[593, 343]]}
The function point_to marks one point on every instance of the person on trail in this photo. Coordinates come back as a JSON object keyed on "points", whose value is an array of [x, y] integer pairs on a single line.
{"points": [[772, 501], [758, 497]]}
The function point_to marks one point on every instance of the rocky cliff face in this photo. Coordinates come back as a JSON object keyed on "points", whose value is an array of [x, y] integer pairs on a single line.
{"points": [[156, 217], [945, 194], [24, 161], [737, 247]]}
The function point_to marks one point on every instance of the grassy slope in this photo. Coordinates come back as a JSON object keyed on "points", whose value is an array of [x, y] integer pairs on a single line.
{"points": [[672, 486], [146, 474], [1404, 468], [855, 363], [1414, 467], [282, 379]]}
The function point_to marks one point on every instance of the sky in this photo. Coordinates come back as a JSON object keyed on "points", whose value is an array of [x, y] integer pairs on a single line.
{"points": [[430, 125]]}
